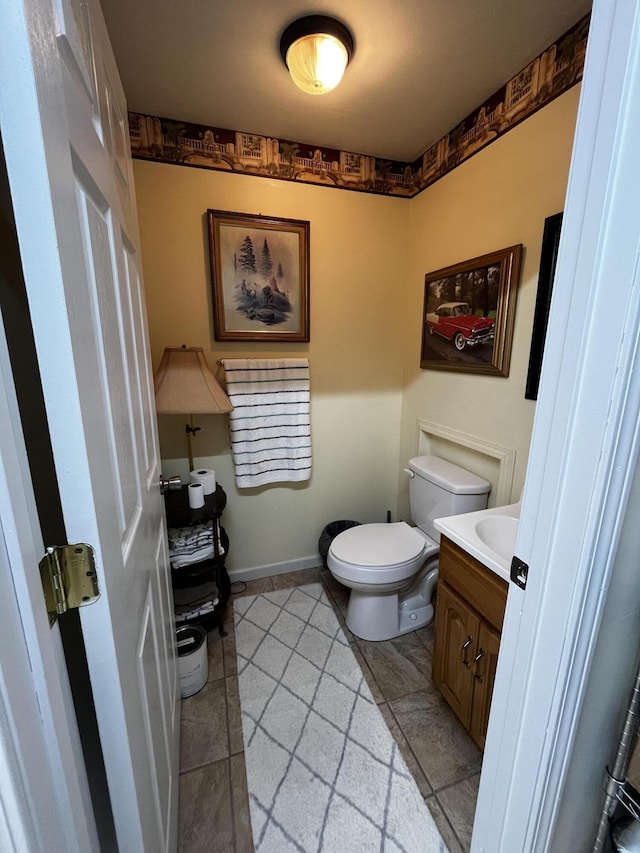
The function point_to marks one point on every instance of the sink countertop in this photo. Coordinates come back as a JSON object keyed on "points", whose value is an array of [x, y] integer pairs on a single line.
{"points": [[464, 531]]}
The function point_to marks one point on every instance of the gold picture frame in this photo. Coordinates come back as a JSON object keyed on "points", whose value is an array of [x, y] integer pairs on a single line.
{"points": [[259, 277], [469, 312]]}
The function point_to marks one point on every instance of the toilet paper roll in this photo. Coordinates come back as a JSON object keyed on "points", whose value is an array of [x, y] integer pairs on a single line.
{"points": [[206, 476], [196, 495]]}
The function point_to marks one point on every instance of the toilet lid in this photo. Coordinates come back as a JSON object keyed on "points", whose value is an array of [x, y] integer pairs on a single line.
{"points": [[378, 544]]}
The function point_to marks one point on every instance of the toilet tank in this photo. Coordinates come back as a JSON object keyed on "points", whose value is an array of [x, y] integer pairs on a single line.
{"points": [[440, 488]]}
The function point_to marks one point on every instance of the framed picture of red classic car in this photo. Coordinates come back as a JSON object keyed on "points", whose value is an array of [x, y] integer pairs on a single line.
{"points": [[469, 311]]}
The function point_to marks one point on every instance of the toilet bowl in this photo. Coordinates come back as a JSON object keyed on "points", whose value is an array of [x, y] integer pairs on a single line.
{"points": [[392, 569]]}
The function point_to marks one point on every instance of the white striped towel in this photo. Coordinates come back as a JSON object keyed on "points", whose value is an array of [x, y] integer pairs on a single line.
{"points": [[270, 424]]}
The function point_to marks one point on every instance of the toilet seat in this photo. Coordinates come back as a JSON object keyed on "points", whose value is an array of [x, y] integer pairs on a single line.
{"points": [[379, 553], [378, 545]]}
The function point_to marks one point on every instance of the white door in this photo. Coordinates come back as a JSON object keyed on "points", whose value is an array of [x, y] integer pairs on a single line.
{"points": [[64, 127], [44, 794], [581, 465]]}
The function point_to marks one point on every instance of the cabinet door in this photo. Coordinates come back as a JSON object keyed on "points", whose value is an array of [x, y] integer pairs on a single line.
{"points": [[483, 672], [456, 633]]}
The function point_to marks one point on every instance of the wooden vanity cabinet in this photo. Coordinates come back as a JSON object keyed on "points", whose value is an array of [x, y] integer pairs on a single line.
{"points": [[470, 607]]}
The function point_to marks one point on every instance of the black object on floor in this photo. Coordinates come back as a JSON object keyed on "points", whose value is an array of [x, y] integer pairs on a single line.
{"points": [[329, 534]]}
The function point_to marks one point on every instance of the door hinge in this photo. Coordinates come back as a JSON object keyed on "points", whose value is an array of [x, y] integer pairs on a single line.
{"points": [[69, 580], [519, 572]]}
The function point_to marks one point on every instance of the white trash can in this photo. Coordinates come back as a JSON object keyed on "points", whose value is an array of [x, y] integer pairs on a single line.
{"points": [[193, 666]]}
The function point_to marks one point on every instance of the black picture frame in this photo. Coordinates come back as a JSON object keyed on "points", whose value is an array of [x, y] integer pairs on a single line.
{"points": [[548, 259]]}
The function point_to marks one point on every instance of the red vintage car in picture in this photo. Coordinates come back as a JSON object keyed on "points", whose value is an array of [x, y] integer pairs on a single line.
{"points": [[455, 322]]}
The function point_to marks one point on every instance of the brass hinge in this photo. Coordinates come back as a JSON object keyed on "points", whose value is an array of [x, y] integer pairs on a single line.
{"points": [[69, 580]]}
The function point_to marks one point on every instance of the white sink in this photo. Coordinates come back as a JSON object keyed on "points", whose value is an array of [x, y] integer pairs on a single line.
{"points": [[489, 535], [499, 532]]}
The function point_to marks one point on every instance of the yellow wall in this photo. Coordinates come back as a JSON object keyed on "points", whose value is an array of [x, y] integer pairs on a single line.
{"points": [[358, 274], [369, 255], [499, 198]]}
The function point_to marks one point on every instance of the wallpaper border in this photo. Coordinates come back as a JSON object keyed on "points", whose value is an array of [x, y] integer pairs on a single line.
{"points": [[553, 72]]}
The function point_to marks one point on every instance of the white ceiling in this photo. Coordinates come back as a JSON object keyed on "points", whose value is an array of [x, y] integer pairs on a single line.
{"points": [[419, 67]]}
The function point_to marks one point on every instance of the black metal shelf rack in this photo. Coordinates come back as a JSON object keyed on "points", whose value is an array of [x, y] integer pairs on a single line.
{"points": [[195, 575]]}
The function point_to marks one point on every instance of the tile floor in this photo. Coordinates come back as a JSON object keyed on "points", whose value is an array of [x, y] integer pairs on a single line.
{"points": [[445, 762]]}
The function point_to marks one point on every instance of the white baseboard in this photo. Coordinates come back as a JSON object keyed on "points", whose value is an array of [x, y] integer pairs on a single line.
{"points": [[252, 574]]}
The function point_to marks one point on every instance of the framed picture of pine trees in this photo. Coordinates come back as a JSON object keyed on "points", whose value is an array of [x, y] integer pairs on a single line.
{"points": [[259, 277]]}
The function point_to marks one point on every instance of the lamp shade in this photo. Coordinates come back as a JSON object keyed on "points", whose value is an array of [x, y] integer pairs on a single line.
{"points": [[185, 385], [316, 50]]}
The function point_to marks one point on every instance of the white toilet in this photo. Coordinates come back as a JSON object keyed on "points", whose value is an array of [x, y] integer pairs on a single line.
{"points": [[392, 568]]}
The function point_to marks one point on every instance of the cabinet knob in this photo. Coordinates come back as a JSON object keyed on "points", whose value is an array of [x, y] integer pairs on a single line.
{"points": [[478, 676], [463, 651]]}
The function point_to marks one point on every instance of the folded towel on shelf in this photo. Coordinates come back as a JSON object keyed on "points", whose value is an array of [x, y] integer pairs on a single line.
{"points": [[196, 556], [189, 545], [270, 423], [184, 537], [194, 601], [194, 614], [195, 597]]}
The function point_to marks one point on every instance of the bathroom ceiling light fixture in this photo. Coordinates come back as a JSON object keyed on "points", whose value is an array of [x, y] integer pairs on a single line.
{"points": [[184, 385], [316, 50]]}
